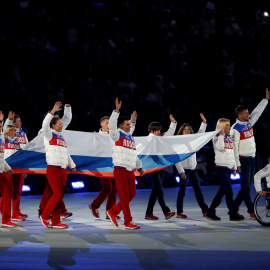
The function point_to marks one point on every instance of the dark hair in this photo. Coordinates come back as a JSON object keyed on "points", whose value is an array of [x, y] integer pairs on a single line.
{"points": [[239, 109], [103, 118], [54, 121], [121, 120], [154, 126], [181, 129], [15, 117]]}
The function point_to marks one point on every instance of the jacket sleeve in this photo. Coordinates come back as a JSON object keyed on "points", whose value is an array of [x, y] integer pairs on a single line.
{"points": [[71, 163], [7, 122], [256, 113], [179, 167], [171, 130], [132, 127], [202, 128], [113, 130], [236, 141], [218, 142], [46, 126], [6, 166], [259, 175], [67, 117]]}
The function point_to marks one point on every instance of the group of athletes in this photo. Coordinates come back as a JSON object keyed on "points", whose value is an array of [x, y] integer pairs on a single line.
{"points": [[234, 148]]}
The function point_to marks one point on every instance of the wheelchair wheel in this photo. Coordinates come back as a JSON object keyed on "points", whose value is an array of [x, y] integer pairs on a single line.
{"points": [[262, 209]]}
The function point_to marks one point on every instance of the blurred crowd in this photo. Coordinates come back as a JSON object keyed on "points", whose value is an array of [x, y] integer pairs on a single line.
{"points": [[158, 56]]}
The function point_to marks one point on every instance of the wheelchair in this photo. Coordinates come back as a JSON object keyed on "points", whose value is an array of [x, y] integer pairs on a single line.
{"points": [[262, 208]]}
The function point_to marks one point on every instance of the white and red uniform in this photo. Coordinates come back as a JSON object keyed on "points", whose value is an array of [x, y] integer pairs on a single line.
{"points": [[224, 153], [108, 184], [16, 180], [242, 134], [125, 161], [58, 159], [47, 193], [5, 187]]}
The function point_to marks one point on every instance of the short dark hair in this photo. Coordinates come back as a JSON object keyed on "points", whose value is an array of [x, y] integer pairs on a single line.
{"points": [[121, 120], [54, 121], [239, 109], [15, 117], [154, 126], [104, 118]]}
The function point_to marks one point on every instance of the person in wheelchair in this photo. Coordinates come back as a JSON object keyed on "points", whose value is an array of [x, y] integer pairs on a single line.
{"points": [[263, 173]]}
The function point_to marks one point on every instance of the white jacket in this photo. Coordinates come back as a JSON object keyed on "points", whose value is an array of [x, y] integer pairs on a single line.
{"points": [[265, 172], [191, 162], [224, 153], [55, 146], [123, 148], [66, 119], [11, 146], [242, 134], [4, 167], [20, 134]]}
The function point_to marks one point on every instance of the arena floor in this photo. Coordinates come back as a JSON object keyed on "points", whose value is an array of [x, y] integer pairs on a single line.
{"points": [[89, 243]]}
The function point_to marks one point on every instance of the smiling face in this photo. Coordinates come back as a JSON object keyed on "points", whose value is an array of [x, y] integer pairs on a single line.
{"points": [[58, 126], [125, 126], [12, 132]]}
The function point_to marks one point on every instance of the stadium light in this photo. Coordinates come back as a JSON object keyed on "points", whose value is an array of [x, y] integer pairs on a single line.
{"points": [[235, 177], [78, 184], [177, 179], [26, 188]]}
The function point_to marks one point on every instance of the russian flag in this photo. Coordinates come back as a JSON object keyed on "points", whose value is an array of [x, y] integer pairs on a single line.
{"points": [[92, 154]]}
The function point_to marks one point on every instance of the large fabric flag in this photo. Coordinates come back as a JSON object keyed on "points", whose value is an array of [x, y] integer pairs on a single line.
{"points": [[92, 154]]}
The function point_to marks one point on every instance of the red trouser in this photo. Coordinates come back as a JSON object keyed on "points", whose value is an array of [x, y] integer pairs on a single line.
{"points": [[126, 188], [47, 194], [108, 191], [18, 181], [57, 178], [6, 193]]}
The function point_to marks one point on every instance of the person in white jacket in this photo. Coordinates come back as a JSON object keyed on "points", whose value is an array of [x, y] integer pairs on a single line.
{"points": [[18, 178], [157, 192], [5, 183], [245, 149], [125, 161], [187, 170], [263, 173], [225, 164], [47, 193], [58, 159], [108, 190]]}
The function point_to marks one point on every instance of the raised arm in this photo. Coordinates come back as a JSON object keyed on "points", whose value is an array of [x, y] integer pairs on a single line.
{"points": [[9, 120], [256, 113], [114, 133], [133, 119], [66, 119], [203, 124], [172, 128], [47, 120]]}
